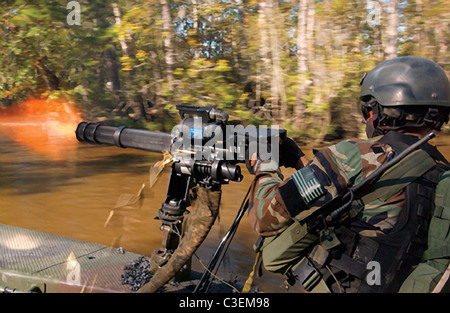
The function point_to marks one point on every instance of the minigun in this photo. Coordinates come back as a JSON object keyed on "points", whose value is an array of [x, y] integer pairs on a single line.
{"points": [[205, 149]]}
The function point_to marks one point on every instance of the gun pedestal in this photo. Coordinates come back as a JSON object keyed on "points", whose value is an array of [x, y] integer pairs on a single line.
{"points": [[171, 214]]}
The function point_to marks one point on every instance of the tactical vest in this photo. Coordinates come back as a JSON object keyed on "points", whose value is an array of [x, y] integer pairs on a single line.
{"points": [[432, 273], [343, 261]]}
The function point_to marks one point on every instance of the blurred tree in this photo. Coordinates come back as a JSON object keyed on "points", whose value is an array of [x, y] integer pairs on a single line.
{"points": [[292, 63], [392, 30]]}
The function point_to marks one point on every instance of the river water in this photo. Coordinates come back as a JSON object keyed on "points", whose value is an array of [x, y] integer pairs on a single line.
{"points": [[73, 197]]}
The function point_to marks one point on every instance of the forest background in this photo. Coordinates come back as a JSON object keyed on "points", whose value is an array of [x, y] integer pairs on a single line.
{"points": [[295, 63]]}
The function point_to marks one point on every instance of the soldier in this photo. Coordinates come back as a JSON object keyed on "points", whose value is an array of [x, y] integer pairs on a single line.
{"points": [[385, 232]]}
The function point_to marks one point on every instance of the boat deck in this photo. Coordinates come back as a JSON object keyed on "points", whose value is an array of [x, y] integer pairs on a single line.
{"points": [[37, 261], [33, 261]]}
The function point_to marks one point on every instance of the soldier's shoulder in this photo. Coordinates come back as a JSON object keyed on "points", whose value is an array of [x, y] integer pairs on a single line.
{"points": [[362, 146]]}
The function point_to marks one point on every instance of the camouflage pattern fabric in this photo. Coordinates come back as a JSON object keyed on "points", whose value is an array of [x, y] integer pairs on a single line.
{"points": [[429, 275], [335, 168], [197, 224]]}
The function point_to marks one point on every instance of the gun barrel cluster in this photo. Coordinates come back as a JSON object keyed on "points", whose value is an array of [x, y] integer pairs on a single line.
{"points": [[123, 137]]}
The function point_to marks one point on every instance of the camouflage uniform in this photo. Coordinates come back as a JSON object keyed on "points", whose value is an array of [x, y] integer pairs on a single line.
{"points": [[335, 169], [389, 223]]}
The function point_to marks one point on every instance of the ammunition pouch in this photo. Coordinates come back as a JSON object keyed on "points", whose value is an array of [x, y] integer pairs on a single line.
{"points": [[303, 273], [427, 276], [279, 252]]}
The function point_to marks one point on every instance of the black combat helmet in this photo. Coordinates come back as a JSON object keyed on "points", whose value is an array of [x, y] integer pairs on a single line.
{"points": [[411, 92], [407, 80]]}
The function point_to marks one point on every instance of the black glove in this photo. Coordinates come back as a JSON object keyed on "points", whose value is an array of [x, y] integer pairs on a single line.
{"points": [[290, 153]]}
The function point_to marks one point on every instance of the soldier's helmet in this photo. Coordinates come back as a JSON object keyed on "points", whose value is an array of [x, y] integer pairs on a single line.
{"points": [[411, 92]]}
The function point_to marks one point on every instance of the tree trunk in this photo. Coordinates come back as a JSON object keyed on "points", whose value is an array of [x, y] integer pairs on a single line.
{"points": [[168, 45], [196, 31], [112, 73], [242, 46], [51, 80], [84, 85], [302, 66], [278, 92], [442, 42], [392, 30], [301, 37], [118, 20], [265, 66], [133, 101], [310, 22]]}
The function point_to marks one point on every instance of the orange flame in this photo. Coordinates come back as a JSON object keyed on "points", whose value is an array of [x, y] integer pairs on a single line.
{"points": [[43, 126]]}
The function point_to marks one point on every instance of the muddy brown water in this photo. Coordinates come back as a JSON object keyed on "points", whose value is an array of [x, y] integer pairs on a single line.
{"points": [[74, 197]]}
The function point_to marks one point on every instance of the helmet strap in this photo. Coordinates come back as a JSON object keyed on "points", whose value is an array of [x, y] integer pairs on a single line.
{"points": [[399, 118]]}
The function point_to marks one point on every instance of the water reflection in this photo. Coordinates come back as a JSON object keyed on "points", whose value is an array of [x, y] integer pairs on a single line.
{"points": [[20, 242]]}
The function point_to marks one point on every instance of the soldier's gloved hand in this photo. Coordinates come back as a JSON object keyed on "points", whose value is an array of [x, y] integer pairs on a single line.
{"points": [[290, 153]]}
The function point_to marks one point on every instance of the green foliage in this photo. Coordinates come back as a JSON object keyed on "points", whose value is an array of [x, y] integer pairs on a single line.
{"points": [[206, 83], [125, 121], [210, 53]]}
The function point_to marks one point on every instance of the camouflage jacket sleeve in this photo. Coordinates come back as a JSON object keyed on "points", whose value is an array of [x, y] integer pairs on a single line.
{"points": [[275, 203]]}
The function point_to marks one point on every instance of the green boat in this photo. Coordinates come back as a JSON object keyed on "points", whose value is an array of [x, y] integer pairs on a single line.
{"points": [[33, 261]]}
